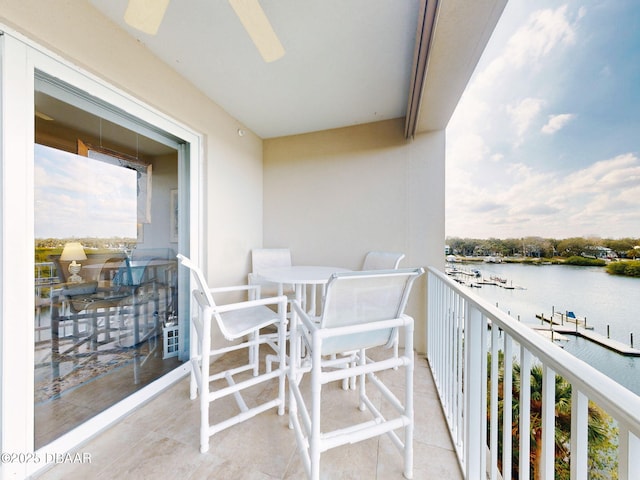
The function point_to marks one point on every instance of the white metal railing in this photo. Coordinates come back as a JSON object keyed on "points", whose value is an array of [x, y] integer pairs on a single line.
{"points": [[466, 339]]}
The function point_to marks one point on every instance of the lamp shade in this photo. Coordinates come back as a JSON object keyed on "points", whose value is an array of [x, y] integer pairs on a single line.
{"points": [[73, 251]]}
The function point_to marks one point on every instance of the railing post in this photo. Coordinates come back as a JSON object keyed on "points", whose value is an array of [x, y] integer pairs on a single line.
{"points": [[475, 430], [579, 437], [493, 441], [524, 418], [628, 453], [507, 425], [547, 463]]}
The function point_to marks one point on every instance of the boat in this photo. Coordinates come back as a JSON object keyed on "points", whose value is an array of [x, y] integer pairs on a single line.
{"points": [[492, 259]]}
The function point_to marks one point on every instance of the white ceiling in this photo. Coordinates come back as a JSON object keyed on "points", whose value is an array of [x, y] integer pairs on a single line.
{"points": [[347, 62]]}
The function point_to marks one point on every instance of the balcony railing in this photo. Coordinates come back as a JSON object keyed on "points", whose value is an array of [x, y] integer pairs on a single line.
{"points": [[469, 343]]}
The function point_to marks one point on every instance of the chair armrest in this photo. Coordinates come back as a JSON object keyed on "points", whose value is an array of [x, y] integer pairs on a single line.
{"points": [[281, 300], [253, 291], [234, 288]]}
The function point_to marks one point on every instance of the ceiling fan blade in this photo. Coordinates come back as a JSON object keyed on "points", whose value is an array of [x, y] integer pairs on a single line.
{"points": [[146, 15], [257, 25]]}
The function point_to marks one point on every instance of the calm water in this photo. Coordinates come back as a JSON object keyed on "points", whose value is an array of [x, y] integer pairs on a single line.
{"points": [[587, 291]]}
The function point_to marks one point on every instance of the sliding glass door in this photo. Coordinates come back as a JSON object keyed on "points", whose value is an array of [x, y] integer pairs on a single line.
{"points": [[106, 237], [100, 192]]}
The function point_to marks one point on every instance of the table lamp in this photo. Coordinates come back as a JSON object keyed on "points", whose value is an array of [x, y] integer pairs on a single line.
{"points": [[73, 251]]}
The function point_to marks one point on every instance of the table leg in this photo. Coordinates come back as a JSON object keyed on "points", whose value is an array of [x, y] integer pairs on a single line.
{"points": [[296, 350], [312, 301]]}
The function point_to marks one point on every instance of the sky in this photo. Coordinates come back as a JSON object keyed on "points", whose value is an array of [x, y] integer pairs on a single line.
{"points": [[545, 141], [81, 197]]}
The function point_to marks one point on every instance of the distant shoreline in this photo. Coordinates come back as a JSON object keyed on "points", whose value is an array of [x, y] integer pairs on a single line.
{"points": [[622, 267]]}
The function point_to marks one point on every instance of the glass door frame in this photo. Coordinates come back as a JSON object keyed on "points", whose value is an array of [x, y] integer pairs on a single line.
{"points": [[19, 60]]}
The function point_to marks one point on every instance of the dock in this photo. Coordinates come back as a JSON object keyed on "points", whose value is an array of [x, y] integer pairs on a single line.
{"points": [[556, 331], [558, 318], [474, 278]]}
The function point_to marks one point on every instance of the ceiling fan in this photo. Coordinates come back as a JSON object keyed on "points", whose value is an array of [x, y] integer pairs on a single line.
{"points": [[147, 15]]}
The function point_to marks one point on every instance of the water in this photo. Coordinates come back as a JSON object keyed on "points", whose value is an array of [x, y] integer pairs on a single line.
{"points": [[605, 300]]}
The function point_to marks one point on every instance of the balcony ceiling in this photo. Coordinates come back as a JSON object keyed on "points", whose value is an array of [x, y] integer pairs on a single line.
{"points": [[346, 62]]}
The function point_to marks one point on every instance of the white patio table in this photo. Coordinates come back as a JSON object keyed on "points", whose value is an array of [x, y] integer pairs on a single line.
{"points": [[300, 276]]}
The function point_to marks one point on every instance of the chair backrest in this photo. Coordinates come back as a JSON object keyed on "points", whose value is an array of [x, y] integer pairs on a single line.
{"points": [[203, 293], [356, 298], [265, 258], [382, 260]]}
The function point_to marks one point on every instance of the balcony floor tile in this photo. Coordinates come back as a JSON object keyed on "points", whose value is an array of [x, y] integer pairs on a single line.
{"points": [[160, 440]]}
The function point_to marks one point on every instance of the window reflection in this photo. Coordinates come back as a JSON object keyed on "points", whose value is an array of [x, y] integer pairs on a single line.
{"points": [[105, 305], [79, 197]]}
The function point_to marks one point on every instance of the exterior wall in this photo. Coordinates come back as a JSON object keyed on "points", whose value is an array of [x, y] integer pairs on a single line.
{"points": [[332, 196], [233, 164]]}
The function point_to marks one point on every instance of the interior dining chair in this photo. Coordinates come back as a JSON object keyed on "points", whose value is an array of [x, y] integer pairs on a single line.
{"points": [[361, 310], [382, 260], [240, 321]]}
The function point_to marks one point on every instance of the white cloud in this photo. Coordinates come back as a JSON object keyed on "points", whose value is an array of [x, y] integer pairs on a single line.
{"points": [[538, 203], [469, 148], [622, 171], [523, 113], [557, 122], [543, 32]]}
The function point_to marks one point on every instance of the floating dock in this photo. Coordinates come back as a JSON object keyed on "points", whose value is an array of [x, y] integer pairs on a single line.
{"points": [[474, 278], [557, 332], [558, 318]]}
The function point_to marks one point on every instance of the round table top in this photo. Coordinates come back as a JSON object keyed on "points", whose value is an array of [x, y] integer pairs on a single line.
{"points": [[301, 274]]}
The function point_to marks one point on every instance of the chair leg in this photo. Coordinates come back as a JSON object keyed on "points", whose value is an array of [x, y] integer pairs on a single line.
{"points": [[408, 430], [316, 396], [193, 386], [408, 405], [362, 360], [204, 414], [254, 353], [282, 359], [396, 340]]}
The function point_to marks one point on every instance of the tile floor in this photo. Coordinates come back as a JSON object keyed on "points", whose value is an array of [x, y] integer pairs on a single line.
{"points": [[160, 440]]}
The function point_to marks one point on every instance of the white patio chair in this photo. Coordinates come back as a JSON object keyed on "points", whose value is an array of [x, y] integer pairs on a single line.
{"points": [[361, 310], [236, 321], [382, 260], [264, 259]]}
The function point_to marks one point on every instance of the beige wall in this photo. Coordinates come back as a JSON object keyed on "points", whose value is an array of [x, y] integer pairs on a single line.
{"points": [[332, 196], [233, 164]]}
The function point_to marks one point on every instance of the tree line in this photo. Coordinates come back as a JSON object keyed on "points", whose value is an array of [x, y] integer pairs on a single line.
{"points": [[539, 247]]}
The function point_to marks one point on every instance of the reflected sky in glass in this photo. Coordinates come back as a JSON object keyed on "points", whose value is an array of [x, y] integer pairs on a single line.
{"points": [[81, 197]]}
